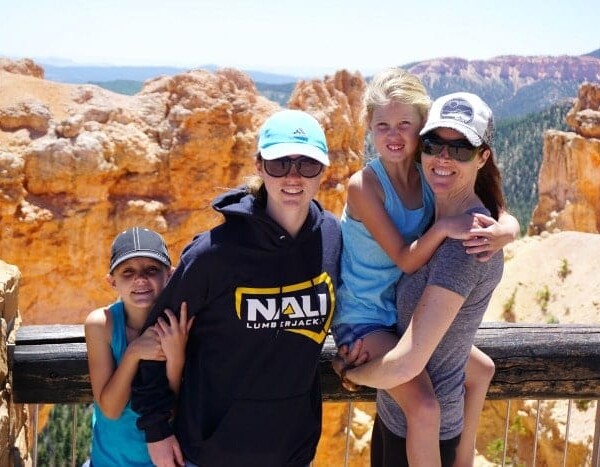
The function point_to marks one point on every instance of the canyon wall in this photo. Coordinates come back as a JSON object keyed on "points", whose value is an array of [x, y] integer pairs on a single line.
{"points": [[78, 164], [569, 178]]}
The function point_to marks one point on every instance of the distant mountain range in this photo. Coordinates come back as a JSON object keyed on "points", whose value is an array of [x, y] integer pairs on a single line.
{"points": [[513, 85], [528, 95], [92, 73]]}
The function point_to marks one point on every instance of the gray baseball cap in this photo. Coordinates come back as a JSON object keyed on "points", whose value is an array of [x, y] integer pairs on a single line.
{"points": [[138, 242], [465, 113]]}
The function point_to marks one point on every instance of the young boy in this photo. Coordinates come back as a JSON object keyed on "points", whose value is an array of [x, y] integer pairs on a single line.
{"points": [[140, 267]]}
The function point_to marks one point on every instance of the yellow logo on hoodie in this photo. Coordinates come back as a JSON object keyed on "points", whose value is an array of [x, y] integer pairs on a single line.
{"points": [[304, 308]]}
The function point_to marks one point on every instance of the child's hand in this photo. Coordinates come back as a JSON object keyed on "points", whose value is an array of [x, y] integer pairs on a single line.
{"points": [[147, 346], [174, 335], [486, 237], [347, 358], [459, 227]]}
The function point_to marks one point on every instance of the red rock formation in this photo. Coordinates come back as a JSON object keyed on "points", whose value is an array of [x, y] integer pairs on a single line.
{"points": [[569, 179], [336, 101], [584, 117], [25, 66], [79, 163]]}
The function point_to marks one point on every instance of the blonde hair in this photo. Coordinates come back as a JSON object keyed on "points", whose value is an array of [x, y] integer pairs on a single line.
{"points": [[255, 185], [395, 85]]}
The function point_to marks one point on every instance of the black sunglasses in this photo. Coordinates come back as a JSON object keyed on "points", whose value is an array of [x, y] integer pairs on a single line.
{"points": [[305, 166], [460, 150]]}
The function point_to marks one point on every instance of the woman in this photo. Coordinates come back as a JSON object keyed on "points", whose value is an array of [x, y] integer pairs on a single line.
{"points": [[261, 288], [387, 231], [441, 305]]}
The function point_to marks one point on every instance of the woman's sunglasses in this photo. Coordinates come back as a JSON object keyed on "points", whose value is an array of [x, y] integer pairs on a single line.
{"points": [[305, 166], [460, 150]]}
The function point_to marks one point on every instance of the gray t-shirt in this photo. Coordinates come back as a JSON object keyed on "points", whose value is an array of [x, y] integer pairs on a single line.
{"points": [[451, 268]]}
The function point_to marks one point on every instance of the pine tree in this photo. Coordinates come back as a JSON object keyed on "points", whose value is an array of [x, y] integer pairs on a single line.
{"points": [[55, 441]]}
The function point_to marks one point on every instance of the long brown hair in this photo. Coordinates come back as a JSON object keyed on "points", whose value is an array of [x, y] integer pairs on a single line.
{"points": [[488, 185]]}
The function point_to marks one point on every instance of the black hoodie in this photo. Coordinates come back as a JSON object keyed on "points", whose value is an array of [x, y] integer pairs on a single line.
{"points": [[263, 302]]}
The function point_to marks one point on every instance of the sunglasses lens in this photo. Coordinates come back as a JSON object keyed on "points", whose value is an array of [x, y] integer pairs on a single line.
{"points": [[278, 167], [461, 154], [461, 151], [432, 148], [308, 167]]}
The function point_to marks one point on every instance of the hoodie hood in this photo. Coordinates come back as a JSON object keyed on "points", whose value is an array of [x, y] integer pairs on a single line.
{"points": [[239, 205]]}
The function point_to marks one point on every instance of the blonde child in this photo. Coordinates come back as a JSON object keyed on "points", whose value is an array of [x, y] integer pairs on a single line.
{"points": [[139, 269], [387, 231]]}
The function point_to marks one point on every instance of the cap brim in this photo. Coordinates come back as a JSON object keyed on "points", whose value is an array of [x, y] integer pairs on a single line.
{"points": [[276, 151], [473, 138], [140, 254]]}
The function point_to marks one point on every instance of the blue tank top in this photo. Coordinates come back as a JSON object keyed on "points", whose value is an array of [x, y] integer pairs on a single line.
{"points": [[367, 293], [118, 442]]}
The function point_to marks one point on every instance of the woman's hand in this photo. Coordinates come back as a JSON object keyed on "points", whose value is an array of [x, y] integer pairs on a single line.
{"points": [[166, 452], [173, 339], [349, 358], [174, 334]]}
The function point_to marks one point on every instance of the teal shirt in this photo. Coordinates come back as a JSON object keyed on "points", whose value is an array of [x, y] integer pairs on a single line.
{"points": [[118, 442], [367, 293]]}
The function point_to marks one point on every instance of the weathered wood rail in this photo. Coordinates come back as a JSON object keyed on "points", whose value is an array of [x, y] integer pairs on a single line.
{"points": [[48, 364]]}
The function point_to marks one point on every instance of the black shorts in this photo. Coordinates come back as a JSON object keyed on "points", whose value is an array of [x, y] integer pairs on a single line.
{"points": [[389, 449]]}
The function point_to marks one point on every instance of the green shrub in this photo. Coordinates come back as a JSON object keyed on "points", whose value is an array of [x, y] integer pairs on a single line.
{"points": [[543, 298], [508, 312], [564, 270]]}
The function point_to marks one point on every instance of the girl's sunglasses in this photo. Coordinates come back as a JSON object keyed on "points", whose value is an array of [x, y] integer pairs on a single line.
{"points": [[460, 150], [305, 166]]}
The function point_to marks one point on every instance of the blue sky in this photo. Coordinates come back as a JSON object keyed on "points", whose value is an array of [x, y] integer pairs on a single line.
{"points": [[301, 36]]}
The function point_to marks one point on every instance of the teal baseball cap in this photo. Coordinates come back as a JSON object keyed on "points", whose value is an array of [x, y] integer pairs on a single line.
{"points": [[290, 132]]}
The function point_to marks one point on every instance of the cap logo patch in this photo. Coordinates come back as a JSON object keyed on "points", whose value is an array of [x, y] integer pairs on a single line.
{"points": [[457, 109], [299, 131]]}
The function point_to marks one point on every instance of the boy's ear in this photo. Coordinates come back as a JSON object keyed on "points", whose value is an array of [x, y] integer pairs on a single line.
{"points": [[171, 271], [110, 280]]}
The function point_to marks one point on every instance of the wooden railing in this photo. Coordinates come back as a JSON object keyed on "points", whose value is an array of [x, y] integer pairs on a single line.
{"points": [[48, 363]]}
